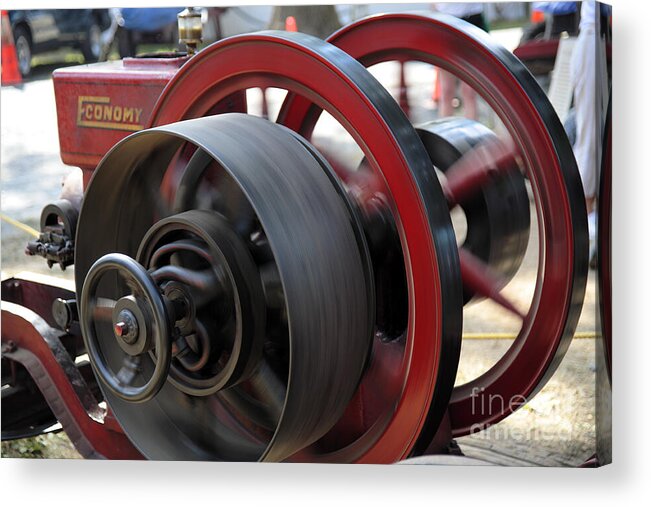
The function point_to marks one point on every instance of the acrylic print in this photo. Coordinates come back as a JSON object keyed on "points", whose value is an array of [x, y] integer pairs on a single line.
{"points": [[343, 233]]}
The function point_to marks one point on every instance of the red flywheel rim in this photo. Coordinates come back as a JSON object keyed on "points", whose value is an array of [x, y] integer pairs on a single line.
{"points": [[505, 84]]}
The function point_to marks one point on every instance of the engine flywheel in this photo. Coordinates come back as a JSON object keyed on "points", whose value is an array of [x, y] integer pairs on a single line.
{"points": [[369, 412], [536, 145]]}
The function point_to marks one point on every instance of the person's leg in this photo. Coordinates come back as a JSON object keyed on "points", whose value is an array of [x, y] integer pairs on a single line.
{"points": [[478, 20], [469, 96], [585, 146], [126, 46], [565, 23], [585, 103], [448, 89]]}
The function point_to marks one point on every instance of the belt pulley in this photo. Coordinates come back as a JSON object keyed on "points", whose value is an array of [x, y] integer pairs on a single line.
{"points": [[189, 335]]}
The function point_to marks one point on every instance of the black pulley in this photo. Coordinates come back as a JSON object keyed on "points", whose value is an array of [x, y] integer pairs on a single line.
{"points": [[264, 295], [497, 215]]}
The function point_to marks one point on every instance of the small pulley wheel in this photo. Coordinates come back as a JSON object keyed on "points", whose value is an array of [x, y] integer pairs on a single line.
{"points": [[497, 214], [140, 322]]}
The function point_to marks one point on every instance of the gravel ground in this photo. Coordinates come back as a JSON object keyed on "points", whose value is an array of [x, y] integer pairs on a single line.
{"points": [[557, 426]]}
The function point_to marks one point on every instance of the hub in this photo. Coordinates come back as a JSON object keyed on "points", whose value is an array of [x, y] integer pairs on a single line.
{"points": [[204, 278], [207, 275]]}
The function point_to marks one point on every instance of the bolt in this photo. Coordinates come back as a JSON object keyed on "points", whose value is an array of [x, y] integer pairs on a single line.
{"points": [[9, 347], [121, 329], [126, 327]]}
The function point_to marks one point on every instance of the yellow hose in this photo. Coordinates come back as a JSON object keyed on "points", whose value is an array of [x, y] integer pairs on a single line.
{"points": [[513, 336], [25, 228]]}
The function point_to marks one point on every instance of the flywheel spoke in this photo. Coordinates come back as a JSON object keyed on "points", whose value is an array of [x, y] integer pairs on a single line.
{"points": [[476, 169], [193, 173], [267, 387], [129, 370], [205, 280], [478, 278], [167, 250], [265, 105], [260, 400], [235, 206]]}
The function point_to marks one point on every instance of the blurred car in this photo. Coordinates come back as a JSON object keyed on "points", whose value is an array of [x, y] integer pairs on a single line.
{"points": [[146, 25], [42, 30]]}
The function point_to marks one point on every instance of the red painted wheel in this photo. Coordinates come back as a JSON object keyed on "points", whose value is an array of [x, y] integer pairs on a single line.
{"points": [[539, 141], [412, 362]]}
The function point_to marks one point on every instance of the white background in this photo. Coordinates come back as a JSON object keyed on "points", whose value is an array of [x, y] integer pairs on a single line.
{"points": [[627, 481]]}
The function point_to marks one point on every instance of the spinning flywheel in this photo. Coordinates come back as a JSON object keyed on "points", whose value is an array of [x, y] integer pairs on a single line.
{"points": [[484, 176], [259, 285]]}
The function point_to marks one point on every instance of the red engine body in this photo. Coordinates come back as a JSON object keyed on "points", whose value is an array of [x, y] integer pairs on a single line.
{"points": [[100, 104]]}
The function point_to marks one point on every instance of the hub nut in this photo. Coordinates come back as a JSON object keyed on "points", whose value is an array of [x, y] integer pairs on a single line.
{"points": [[126, 327]]}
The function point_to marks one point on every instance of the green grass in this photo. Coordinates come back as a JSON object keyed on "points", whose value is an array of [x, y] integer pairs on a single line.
{"points": [[46, 62], [49, 446], [503, 24]]}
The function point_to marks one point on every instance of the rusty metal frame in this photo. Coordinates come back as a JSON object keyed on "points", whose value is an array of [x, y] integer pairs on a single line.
{"points": [[29, 339]]}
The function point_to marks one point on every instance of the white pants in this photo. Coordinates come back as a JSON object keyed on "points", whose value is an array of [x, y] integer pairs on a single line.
{"points": [[590, 81]]}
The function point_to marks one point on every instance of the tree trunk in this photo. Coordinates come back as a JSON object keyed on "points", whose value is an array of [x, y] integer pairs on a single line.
{"points": [[319, 20]]}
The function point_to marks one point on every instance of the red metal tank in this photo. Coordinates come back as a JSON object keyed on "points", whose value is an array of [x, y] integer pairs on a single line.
{"points": [[100, 104]]}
